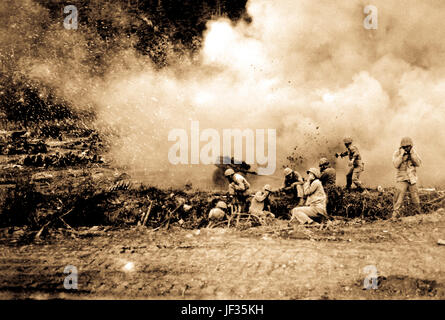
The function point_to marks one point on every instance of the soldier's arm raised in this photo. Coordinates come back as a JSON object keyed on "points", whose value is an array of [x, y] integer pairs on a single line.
{"points": [[310, 188], [397, 159], [262, 197], [343, 154], [415, 158], [355, 153], [238, 185]]}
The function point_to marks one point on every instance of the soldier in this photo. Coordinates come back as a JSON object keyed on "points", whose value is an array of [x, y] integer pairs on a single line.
{"points": [[315, 206], [405, 160], [328, 175], [293, 184], [260, 204], [238, 187], [219, 212], [328, 179], [355, 163]]}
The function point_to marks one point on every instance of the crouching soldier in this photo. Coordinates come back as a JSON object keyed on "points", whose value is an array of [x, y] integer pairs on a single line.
{"points": [[260, 204], [219, 212], [293, 185], [315, 205], [405, 160], [328, 177], [238, 188]]}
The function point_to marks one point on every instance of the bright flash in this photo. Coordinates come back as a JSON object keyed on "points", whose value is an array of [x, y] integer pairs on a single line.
{"points": [[219, 38], [129, 266], [203, 98], [328, 97]]}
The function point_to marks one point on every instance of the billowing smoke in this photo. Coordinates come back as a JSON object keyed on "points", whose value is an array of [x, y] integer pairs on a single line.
{"points": [[310, 71]]}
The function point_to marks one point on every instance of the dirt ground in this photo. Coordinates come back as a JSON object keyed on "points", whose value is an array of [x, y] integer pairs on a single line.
{"points": [[267, 262]]}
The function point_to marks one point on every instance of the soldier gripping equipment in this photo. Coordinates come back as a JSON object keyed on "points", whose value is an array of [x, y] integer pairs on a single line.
{"points": [[355, 163]]}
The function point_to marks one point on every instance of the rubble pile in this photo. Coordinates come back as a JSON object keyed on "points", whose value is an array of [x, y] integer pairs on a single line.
{"points": [[59, 160], [156, 208], [85, 195], [370, 205], [20, 142], [87, 204], [84, 203], [61, 129], [41, 153]]}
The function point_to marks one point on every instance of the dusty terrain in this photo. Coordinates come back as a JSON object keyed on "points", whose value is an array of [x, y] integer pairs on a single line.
{"points": [[67, 205], [86, 120], [267, 262]]}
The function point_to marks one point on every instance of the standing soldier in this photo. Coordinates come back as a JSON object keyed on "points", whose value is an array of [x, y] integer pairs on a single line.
{"points": [[315, 206], [293, 184], [405, 160], [328, 179], [355, 163], [238, 187]]}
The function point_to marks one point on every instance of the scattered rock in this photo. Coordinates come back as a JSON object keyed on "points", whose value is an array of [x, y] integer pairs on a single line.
{"points": [[41, 176]]}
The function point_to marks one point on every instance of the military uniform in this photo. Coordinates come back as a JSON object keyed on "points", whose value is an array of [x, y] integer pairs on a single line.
{"points": [[239, 189], [406, 178], [315, 205], [260, 204], [293, 184], [328, 177], [216, 214], [356, 167], [328, 180]]}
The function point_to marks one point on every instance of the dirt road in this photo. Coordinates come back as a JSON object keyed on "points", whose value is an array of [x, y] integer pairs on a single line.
{"points": [[268, 262]]}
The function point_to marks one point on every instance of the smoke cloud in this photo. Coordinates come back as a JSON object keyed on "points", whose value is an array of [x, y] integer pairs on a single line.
{"points": [[310, 71]]}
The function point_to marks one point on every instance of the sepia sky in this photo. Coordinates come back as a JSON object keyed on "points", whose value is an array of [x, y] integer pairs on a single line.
{"points": [[310, 70]]}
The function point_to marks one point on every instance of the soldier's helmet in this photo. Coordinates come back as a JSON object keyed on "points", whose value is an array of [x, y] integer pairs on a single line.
{"points": [[221, 205], [287, 171], [406, 141], [323, 162], [347, 140], [258, 196], [229, 172], [315, 172]]}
